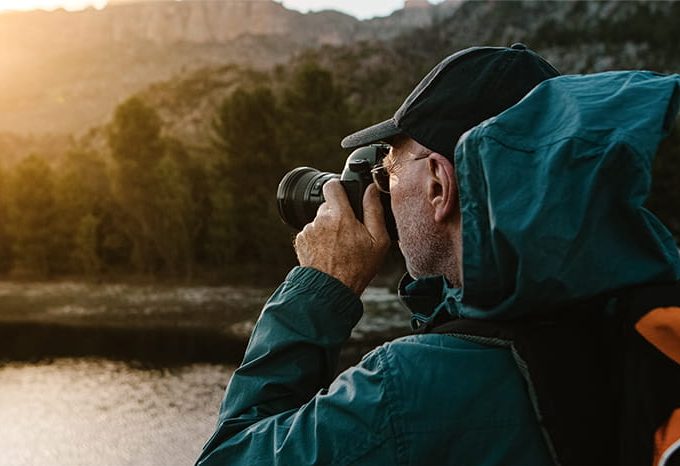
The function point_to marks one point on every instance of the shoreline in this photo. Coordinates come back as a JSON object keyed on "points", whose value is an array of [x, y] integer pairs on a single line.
{"points": [[158, 325]]}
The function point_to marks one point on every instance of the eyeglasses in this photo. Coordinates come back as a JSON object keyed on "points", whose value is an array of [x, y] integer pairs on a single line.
{"points": [[382, 173]]}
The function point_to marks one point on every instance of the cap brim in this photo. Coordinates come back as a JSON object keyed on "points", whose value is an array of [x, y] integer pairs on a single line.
{"points": [[380, 132]]}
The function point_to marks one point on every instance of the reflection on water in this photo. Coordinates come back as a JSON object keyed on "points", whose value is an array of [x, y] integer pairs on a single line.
{"points": [[157, 324], [89, 411]]}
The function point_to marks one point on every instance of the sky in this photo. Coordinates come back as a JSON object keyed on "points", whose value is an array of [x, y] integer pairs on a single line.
{"points": [[360, 8]]}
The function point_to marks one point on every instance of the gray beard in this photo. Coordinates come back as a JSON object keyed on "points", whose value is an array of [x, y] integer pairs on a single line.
{"points": [[429, 252]]}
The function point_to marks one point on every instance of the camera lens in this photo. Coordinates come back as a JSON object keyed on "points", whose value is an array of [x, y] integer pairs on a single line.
{"points": [[300, 194]]}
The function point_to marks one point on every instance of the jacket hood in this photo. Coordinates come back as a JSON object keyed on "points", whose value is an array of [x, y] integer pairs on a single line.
{"points": [[552, 195]]}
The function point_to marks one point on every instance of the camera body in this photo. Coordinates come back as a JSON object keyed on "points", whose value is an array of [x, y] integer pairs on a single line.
{"points": [[300, 192], [356, 176]]}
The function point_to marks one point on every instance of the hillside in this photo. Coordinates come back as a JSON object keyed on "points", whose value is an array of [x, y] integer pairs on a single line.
{"points": [[96, 59], [577, 37], [66, 71], [181, 180]]}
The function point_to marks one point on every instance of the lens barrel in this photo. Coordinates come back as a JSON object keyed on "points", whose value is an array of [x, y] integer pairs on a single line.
{"points": [[300, 194]]}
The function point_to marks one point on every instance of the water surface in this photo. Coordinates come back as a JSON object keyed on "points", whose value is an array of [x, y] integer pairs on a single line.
{"points": [[83, 408], [76, 412]]}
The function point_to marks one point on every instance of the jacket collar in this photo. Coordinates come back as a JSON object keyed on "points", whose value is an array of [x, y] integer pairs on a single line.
{"points": [[431, 300]]}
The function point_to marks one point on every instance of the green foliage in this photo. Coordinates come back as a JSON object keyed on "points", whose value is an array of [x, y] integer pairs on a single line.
{"points": [[31, 217], [246, 128], [217, 248], [86, 245], [5, 246], [151, 193], [261, 133], [172, 218], [134, 135], [244, 226], [82, 197], [315, 118], [205, 205], [647, 24]]}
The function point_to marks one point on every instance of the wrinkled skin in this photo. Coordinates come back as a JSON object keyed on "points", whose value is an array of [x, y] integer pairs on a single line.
{"points": [[337, 243], [424, 196]]}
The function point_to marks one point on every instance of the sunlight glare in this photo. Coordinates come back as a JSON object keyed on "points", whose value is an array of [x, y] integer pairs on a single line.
{"points": [[70, 5]]}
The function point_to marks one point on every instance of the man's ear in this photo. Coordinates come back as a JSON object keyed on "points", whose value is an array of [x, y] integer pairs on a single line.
{"points": [[442, 188]]}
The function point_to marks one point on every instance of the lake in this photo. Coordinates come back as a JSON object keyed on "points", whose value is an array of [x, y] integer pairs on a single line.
{"points": [[153, 401], [76, 412], [165, 325]]}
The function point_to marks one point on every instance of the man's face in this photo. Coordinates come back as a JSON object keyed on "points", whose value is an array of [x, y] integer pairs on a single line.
{"points": [[421, 239]]}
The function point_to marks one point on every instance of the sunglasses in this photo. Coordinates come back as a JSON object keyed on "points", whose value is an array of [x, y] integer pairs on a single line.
{"points": [[381, 173]]}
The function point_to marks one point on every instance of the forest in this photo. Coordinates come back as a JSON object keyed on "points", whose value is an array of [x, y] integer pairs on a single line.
{"points": [[145, 207], [146, 203]]}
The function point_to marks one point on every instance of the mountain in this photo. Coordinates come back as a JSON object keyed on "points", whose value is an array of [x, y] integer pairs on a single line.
{"points": [[197, 155], [65, 71], [577, 37]]}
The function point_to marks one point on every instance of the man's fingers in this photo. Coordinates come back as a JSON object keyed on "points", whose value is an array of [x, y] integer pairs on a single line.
{"points": [[323, 209], [336, 197], [374, 216]]}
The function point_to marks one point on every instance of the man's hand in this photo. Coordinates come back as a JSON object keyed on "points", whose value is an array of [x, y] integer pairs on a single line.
{"points": [[340, 245]]}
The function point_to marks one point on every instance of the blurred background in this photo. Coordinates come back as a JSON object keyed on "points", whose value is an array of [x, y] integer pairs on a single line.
{"points": [[141, 144]]}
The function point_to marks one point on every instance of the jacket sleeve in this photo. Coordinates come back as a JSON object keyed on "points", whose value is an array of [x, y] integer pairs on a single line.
{"points": [[280, 406]]}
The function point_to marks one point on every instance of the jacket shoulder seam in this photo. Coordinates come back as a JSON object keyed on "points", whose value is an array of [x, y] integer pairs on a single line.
{"points": [[372, 441], [393, 417]]}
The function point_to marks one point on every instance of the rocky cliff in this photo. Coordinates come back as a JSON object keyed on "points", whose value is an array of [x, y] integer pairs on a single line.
{"points": [[66, 71], [577, 37]]}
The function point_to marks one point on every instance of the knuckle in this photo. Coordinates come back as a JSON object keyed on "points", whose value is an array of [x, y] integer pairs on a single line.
{"points": [[333, 192], [329, 187], [329, 218], [333, 183], [306, 231], [297, 242], [321, 218]]}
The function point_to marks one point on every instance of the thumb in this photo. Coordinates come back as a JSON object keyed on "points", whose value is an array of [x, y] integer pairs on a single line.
{"points": [[374, 215]]}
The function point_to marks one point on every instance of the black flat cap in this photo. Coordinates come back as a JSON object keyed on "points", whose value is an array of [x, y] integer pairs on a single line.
{"points": [[460, 92]]}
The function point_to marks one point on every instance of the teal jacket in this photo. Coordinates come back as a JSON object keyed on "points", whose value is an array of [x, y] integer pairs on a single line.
{"points": [[552, 195]]}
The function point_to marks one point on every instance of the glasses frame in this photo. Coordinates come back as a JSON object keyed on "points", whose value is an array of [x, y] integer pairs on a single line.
{"points": [[383, 172]]}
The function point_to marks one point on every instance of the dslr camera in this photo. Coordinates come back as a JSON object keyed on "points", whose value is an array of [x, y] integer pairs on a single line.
{"points": [[300, 192]]}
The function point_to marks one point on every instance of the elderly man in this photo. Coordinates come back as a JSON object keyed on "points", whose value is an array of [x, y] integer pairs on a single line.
{"points": [[428, 398]]}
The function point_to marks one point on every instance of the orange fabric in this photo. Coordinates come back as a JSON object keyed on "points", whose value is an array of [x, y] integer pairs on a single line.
{"points": [[661, 327], [666, 436]]}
